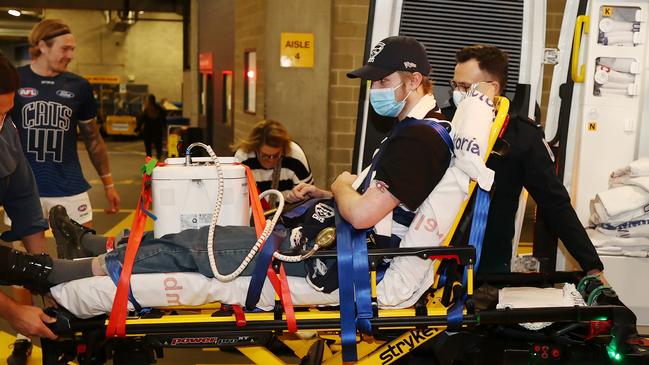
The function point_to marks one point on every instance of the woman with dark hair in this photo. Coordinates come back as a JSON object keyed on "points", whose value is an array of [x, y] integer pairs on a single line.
{"points": [[275, 160], [151, 122]]}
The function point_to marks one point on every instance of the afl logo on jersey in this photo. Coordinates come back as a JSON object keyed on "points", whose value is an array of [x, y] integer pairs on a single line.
{"points": [[65, 94], [27, 92], [82, 207]]}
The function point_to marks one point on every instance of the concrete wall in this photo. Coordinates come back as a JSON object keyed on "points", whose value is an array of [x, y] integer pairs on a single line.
{"points": [[298, 97], [348, 28], [249, 25], [218, 39], [190, 76], [150, 51]]}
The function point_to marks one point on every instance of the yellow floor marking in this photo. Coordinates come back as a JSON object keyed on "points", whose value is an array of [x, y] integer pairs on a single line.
{"points": [[6, 342], [126, 223]]}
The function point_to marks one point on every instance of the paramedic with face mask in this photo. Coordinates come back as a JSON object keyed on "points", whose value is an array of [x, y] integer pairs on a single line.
{"points": [[527, 163], [409, 165]]}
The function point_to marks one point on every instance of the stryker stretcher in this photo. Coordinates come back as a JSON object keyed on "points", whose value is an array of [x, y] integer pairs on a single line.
{"points": [[384, 335]]}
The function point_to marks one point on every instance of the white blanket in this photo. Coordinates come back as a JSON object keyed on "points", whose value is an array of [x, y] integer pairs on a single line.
{"points": [[621, 204], [529, 297]]}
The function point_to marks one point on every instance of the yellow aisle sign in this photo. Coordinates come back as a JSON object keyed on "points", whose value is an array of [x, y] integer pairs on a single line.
{"points": [[296, 50]]}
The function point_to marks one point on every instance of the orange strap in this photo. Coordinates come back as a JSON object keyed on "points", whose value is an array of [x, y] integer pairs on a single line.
{"points": [[117, 320], [279, 284]]}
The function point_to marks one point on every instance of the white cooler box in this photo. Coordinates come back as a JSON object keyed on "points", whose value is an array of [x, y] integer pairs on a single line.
{"points": [[184, 196]]}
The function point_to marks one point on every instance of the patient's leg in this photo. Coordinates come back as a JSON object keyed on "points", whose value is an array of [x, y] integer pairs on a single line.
{"points": [[187, 252], [39, 272]]}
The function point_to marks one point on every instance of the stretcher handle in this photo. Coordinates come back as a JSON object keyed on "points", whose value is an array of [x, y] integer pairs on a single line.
{"points": [[578, 73]]}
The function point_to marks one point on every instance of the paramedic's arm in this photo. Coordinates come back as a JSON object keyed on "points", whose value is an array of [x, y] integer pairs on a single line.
{"points": [[26, 319], [552, 198], [23, 206], [99, 157], [362, 211]]}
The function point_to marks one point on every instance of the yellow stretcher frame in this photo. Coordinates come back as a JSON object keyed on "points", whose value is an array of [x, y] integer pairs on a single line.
{"points": [[419, 323]]}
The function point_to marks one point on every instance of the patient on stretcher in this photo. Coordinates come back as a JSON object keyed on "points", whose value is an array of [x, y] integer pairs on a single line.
{"points": [[409, 196]]}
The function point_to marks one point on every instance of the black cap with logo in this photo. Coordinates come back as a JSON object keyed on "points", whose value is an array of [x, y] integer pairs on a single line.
{"points": [[393, 54]]}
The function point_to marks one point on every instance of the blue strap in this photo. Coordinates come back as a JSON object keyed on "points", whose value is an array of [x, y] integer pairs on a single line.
{"points": [[346, 289], [408, 122], [261, 268], [478, 224], [455, 315], [114, 269], [361, 276], [476, 238]]}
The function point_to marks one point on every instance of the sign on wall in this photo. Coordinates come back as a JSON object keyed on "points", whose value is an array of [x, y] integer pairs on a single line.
{"points": [[103, 79], [205, 62], [296, 50]]}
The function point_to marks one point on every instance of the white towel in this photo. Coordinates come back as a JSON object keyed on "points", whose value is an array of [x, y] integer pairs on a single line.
{"points": [[635, 228], [619, 246], [639, 167], [620, 204], [527, 297]]}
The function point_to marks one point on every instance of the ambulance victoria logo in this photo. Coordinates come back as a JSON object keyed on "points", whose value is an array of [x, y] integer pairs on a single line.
{"points": [[27, 92], [375, 51], [65, 94]]}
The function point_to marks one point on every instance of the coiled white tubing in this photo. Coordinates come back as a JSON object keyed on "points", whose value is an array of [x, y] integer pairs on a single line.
{"points": [[268, 228]]}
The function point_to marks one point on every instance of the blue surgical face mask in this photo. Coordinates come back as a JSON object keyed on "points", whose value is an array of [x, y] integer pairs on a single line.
{"points": [[385, 102], [458, 96]]}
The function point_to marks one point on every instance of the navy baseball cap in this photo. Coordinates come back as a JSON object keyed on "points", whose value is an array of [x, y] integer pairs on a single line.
{"points": [[393, 54]]}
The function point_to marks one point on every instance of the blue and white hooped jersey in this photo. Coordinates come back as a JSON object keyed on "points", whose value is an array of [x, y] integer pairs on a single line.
{"points": [[46, 112]]}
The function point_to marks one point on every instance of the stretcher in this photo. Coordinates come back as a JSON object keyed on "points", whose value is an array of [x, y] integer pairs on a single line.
{"points": [[384, 336]]}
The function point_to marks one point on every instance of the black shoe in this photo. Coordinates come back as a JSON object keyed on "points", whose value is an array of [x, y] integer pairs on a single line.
{"points": [[21, 352], [67, 234], [21, 268]]}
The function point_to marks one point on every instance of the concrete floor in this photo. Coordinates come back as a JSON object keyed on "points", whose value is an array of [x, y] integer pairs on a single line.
{"points": [[126, 157]]}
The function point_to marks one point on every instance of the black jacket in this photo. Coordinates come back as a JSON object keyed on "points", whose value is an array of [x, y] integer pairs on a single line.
{"points": [[528, 164]]}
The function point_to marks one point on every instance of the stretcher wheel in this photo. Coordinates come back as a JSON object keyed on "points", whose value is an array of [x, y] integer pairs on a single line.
{"points": [[315, 354]]}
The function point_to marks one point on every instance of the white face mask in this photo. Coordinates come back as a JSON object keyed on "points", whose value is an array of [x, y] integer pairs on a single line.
{"points": [[458, 96]]}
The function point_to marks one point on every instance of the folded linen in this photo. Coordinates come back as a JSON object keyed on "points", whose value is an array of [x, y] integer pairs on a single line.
{"points": [[635, 228], [639, 167], [620, 204]]}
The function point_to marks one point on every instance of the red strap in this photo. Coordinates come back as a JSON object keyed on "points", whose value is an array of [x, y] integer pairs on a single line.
{"points": [[239, 315], [110, 244], [279, 284], [117, 320], [287, 302]]}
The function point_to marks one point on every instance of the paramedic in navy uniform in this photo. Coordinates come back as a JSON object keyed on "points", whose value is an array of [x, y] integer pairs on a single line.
{"points": [[50, 104], [19, 198], [528, 164]]}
